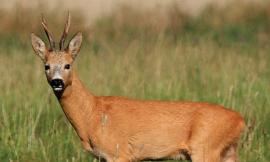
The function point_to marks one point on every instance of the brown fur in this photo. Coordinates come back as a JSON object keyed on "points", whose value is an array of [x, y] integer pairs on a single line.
{"points": [[121, 129]]}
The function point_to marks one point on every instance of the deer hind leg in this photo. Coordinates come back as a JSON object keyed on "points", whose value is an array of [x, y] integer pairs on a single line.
{"points": [[205, 150], [201, 155], [229, 154]]}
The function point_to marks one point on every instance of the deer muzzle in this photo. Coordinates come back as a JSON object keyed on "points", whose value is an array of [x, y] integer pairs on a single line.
{"points": [[57, 84]]}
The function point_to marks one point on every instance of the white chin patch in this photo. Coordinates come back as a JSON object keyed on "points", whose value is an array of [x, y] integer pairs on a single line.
{"points": [[58, 89]]}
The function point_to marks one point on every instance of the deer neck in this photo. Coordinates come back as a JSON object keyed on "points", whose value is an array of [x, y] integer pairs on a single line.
{"points": [[77, 104]]}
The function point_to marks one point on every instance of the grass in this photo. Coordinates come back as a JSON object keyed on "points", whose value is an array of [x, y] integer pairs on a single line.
{"points": [[214, 57]]}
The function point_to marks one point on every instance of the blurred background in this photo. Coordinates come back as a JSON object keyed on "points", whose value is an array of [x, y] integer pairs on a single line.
{"points": [[198, 50]]}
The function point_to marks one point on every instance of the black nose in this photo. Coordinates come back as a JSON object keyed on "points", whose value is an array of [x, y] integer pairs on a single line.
{"points": [[57, 83]]}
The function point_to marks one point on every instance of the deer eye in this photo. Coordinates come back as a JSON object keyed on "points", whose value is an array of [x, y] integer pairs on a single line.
{"points": [[67, 66], [47, 67]]}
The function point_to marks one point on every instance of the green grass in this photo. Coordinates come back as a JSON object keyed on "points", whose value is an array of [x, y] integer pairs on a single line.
{"points": [[228, 65]]}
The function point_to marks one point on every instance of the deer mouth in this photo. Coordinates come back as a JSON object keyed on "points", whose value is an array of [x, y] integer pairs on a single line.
{"points": [[58, 89], [57, 85]]}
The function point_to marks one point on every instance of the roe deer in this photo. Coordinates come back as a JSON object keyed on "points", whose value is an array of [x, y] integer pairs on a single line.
{"points": [[121, 129]]}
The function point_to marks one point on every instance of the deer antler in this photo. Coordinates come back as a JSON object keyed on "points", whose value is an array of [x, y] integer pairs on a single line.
{"points": [[65, 32], [48, 33]]}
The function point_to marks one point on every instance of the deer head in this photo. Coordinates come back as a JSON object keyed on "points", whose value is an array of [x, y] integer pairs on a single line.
{"points": [[57, 63]]}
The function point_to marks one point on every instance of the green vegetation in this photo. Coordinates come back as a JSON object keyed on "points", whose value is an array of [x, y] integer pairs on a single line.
{"points": [[220, 57]]}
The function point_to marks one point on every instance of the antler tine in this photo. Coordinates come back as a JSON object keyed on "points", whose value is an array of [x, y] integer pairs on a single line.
{"points": [[65, 32], [48, 33]]}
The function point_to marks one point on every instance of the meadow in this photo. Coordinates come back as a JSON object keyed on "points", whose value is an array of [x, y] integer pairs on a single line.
{"points": [[219, 57]]}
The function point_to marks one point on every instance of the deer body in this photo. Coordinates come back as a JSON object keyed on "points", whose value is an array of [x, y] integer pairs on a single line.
{"points": [[120, 129]]}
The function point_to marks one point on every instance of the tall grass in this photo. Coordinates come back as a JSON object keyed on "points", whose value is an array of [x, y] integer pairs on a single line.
{"points": [[220, 57]]}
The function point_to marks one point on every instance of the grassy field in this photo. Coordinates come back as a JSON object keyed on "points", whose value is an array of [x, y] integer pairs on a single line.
{"points": [[219, 57]]}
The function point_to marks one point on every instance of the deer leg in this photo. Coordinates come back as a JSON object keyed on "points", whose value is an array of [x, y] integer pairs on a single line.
{"points": [[205, 157], [204, 152], [229, 154]]}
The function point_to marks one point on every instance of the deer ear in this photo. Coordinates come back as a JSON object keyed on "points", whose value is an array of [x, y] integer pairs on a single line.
{"points": [[38, 46], [75, 45]]}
